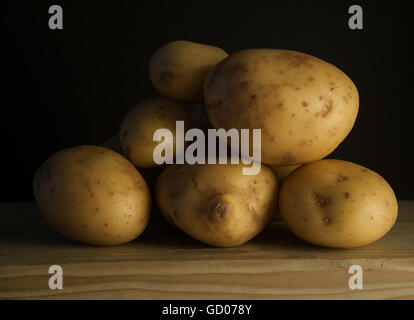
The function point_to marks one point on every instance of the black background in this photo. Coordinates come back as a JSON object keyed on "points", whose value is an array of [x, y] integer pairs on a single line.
{"points": [[73, 86]]}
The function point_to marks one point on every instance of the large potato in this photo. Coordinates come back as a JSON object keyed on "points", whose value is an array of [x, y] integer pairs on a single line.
{"points": [[304, 106], [177, 69], [337, 203], [93, 195], [215, 203], [138, 127]]}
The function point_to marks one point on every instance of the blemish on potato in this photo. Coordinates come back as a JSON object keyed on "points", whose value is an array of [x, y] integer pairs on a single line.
{"points": [[346, 195], [341, 178], [288, 157], [221, 211], [272, 139], [166, 78], [310, 78], [320, 201], [305, 104]]}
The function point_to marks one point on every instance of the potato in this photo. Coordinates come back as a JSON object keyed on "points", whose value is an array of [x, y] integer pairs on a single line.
{"points": [[338, 204], [139, 125], [215, 203], [93, 195], [282, 172], [304, 106], [177, 69]]}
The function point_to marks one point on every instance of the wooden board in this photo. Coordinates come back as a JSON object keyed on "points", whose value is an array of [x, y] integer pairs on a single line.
{"points": [[164, 263]]}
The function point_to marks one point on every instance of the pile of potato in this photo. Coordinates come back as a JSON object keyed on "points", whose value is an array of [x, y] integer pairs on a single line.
{"points": [[304, 106]]}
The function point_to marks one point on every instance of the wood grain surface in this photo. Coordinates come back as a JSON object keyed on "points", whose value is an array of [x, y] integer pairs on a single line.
{"points": [[164, 263]]}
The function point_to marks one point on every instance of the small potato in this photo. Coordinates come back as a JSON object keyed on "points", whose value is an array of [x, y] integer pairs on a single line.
{"points": [[215, 203], [93, 195], [138, 127], [177, 69], [282, 172], [304, 106], [338, 204]]}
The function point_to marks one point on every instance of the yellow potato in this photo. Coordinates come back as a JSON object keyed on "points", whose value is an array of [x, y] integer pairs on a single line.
{"points": [[304, 106], [215, 203], [282, 172], [177, 69], [337, 203], [93, 195], [139, 125]]}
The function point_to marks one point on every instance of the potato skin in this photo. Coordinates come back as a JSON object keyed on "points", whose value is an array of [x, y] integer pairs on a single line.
{"points": [[178, 68], [304, 106], [138, 127], [93, 195], [217, 204], [338, 204]]}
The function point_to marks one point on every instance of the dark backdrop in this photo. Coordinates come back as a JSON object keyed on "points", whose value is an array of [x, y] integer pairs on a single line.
{"points": [[73, 86]]}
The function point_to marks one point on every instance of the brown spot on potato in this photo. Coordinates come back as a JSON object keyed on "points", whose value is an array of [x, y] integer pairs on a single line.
{"points": [[272, 139], [280, 105], [345, 99], [321, 201], [221, 211], [320, 97], [288, 157], [105, 224], [346, 195], [310, 78], [111, 194], [166, 78], [98, 181], [326, 109], [305, 104], [341, 178], [293, 115], [297, 88]]}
